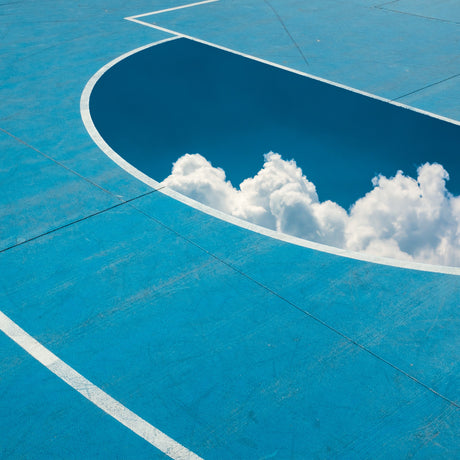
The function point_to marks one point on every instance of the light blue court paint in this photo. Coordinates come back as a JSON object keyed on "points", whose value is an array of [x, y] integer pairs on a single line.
{"points": [[54, 420], [229, 342], [444, 11]]}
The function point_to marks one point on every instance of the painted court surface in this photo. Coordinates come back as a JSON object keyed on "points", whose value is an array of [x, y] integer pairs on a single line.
{"points": [[137, 326]]}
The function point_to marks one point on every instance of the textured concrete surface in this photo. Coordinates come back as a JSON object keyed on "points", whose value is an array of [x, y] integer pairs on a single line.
{"points": [[234, 344]]}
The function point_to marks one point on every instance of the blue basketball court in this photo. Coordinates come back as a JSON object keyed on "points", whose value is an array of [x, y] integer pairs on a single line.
{"points": [[138, 323]]}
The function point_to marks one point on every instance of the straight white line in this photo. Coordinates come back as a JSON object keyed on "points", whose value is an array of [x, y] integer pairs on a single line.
{"points": [[94, 394], [172, 9], [290, 69], [162, 29]]}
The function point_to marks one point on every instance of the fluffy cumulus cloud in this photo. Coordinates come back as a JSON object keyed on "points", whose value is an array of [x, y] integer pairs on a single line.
{"points": [[401, 217]]}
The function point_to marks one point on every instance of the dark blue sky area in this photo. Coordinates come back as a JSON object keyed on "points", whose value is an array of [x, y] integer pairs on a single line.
{"points": [[185, 97]]}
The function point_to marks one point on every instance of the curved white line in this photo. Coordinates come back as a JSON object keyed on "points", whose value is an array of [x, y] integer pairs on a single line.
{"points": [[93, 393], [100, 142]]}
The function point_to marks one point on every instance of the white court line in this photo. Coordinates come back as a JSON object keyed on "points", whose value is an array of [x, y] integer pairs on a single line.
{"points": [[97, 138], [99, 141], [173, 9], [93, 393], [94, 133], [279, 66]]}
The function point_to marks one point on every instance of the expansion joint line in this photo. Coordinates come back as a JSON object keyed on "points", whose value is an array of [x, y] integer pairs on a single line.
{"points": [[62, 165], [407, 13], [121, 201], [427, 86], [381, 5], [80, 220], [300, 309], [287, 31]]}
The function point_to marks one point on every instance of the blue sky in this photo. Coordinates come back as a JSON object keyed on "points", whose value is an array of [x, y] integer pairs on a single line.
{"points": [[154, 107], [403, 217]]}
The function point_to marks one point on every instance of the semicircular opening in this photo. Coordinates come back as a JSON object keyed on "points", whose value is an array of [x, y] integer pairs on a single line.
{"points": [[184, 97]]}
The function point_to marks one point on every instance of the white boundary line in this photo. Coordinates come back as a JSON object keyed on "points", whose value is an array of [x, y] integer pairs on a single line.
{"points": [[173, 9], [93, 393], [274, 64], [88, 122]]}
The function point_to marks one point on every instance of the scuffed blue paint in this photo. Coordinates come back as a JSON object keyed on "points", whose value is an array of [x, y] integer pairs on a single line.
{"points": [[185, 319]]}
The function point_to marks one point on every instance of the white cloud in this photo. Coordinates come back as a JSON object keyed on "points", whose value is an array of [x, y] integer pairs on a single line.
{"points": [[401, 217]]}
